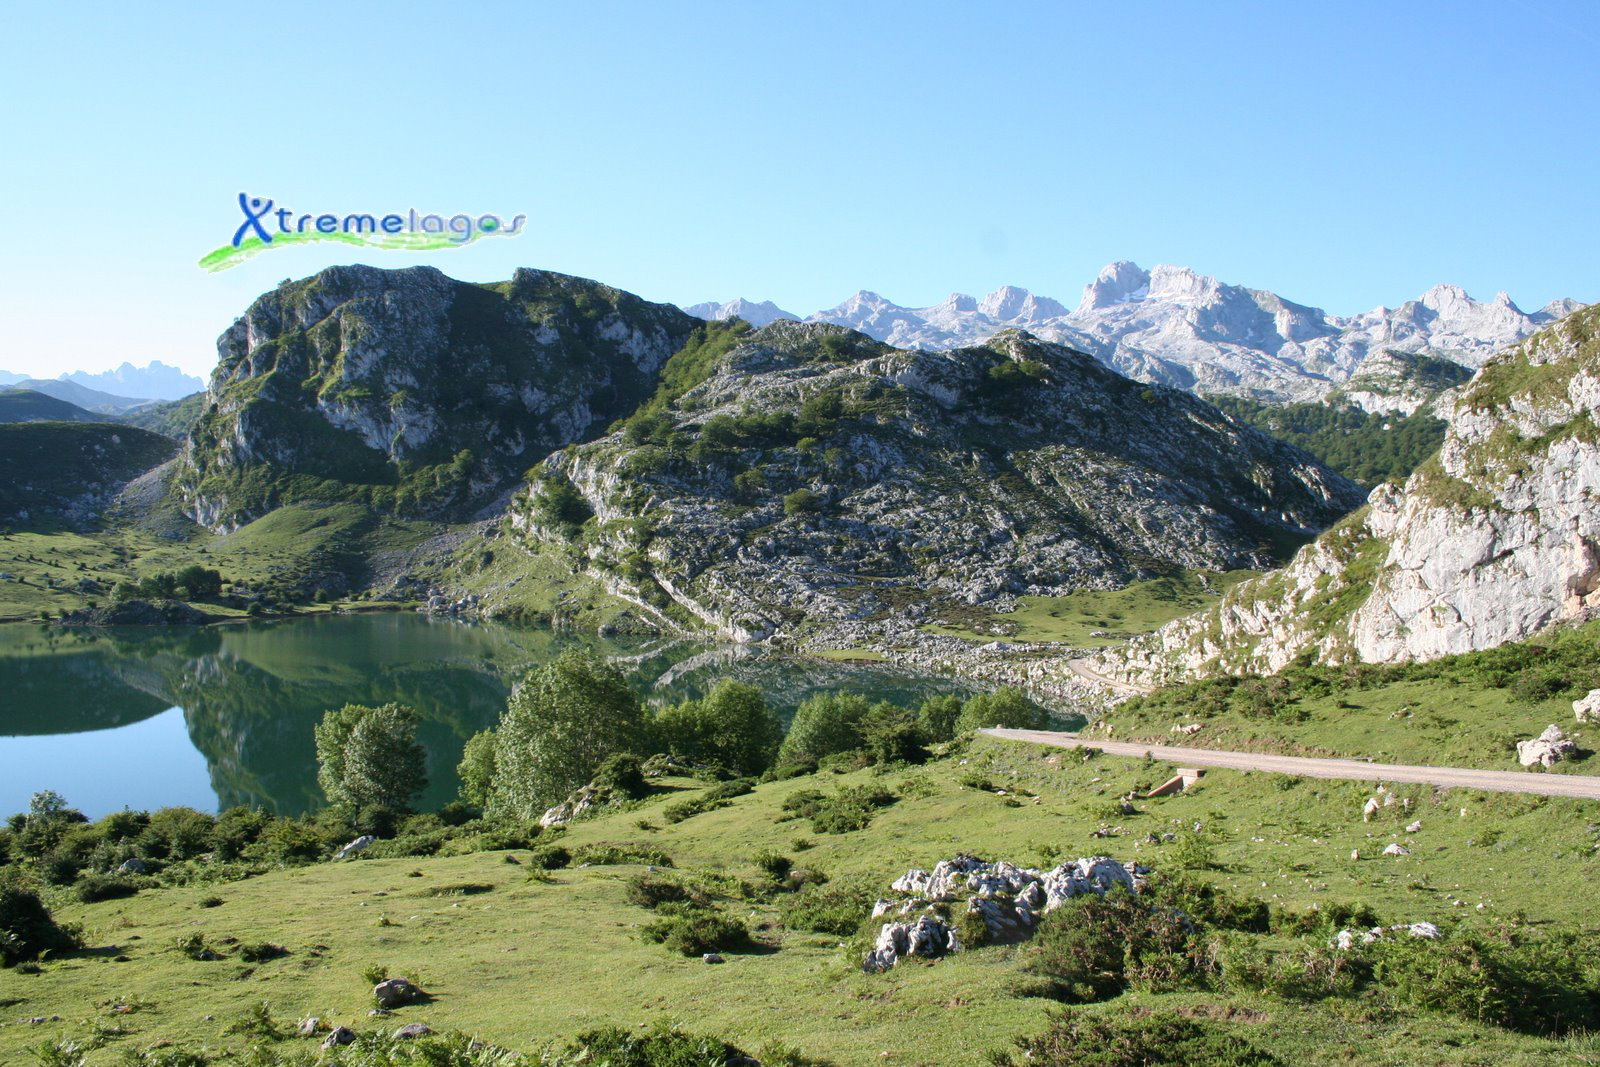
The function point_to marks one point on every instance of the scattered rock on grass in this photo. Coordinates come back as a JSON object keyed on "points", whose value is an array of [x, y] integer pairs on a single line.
{"points": [[395, 992], [1548, 749]]}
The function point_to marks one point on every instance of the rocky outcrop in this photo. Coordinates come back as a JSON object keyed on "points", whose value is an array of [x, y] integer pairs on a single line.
{"points": [[814, 476], [1007, 901], [1549, 748], [412, 391], [1493, 540]]}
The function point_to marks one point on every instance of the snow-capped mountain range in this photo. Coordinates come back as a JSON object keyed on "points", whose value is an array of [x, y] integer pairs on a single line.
{"points": [[1174, 326]]}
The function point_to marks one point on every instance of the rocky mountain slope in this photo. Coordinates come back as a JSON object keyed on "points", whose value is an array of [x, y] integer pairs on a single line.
{"points": [[1493, 540], [412, 392], [805, 475], [1176, 327]]}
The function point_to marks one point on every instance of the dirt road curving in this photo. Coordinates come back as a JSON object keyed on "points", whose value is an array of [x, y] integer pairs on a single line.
{"points": [[1550, 785]]}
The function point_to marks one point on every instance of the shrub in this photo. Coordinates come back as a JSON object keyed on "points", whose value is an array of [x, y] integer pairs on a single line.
{"points": [[838, 908], [654, 890], [774, 864], [823, 725], [839, 812], [476, 769], [369, 757], [890, 734], [98, 887], [549, 858], [695, 931], [938, 716], [27, 929], [732, 726], [801, 502], [660, 1047], [561, 724], [717, 796], [1093, 947], [1158, 1040], [611, 853], [622, 776], [177, 833], [1006, 707], [261, 951]]}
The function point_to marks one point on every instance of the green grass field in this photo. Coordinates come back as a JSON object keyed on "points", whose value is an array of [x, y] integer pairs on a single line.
{"points": [[522, 962], [1092, 618], [1464, 711]]}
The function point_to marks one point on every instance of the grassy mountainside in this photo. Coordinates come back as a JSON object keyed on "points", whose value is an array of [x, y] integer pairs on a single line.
{"points": [[65, 471], [170, 418], [27, 405], [526, 960]]}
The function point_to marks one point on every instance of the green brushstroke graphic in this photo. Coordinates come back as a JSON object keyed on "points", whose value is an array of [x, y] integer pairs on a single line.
{"points": [[229, 256]]}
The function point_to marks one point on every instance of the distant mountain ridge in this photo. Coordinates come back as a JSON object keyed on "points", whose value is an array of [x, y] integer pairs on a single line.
{"points": [[121, 389], [1173, 326]]}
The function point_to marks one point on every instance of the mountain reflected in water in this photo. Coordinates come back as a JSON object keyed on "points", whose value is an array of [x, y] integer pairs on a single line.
{"points": [[250, 694]]}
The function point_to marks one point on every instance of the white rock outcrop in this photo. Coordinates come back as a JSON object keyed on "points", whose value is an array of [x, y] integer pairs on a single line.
{"points": [[1494, 540], [1587, 708], [1546, 750]]}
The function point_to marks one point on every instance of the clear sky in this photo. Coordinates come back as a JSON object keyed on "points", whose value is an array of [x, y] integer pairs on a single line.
{"points": [[1345, 155]]}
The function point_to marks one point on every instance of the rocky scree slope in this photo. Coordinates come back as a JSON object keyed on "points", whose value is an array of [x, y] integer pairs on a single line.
{"points": [[812, 475], [1175, 326], [413, 392], [1494, 539]]}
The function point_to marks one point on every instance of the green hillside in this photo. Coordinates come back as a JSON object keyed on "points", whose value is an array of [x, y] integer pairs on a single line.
{"points": [[28, 405], [54, 471]]}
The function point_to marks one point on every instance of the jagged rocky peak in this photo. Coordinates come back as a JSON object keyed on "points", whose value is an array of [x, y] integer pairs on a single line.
{"points": [[413, 390], [1494, 539], [740, 308], [809, 456], [1173, 325]]}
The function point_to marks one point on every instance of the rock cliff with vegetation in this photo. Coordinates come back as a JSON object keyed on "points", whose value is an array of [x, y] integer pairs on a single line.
{"points": [[1495, 538], [412, 392], [804, 474]]}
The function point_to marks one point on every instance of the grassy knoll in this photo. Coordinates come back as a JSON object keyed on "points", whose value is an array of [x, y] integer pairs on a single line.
{"points": [[1092, 618], [523, 962], [1465, 711]]}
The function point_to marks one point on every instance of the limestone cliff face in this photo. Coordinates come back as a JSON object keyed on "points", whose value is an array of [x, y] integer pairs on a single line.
{"points": [[410, 390], [813, 476], [1491, 541]]}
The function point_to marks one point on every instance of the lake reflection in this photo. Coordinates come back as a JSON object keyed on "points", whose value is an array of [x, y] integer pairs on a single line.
{"points": [[223, 715]]}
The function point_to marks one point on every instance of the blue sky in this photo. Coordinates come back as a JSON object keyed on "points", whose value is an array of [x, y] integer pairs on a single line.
{"points": [[1345, 155]]}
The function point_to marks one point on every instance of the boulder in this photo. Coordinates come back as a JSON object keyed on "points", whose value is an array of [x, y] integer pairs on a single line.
{"points": [[133, 865], [1396, 849], [927, 937], [1587, 709], [711, 957], [309, 1027], [1548, 749], [412, 1031], [339, 1035], [395, 992], [1370, 809], [359, 845]]}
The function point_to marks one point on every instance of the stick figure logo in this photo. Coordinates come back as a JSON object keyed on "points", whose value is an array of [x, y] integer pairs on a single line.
{"points": [[253, 207]]}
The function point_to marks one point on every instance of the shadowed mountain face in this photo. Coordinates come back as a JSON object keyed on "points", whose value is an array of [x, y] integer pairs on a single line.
{"points": [[250, 695]]}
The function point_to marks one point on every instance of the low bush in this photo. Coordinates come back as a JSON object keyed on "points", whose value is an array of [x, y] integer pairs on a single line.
{"points": [[1156, 1040], [97, 887], [549, 858], [661, 1047], [613, 853], [718, 796], [839, 908], [27, 929], [695, 931], [1093, 947], [842, 811]]}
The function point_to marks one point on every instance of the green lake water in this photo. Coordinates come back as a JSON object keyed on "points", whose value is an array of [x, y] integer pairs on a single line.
{"points": [[223, 715]]}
